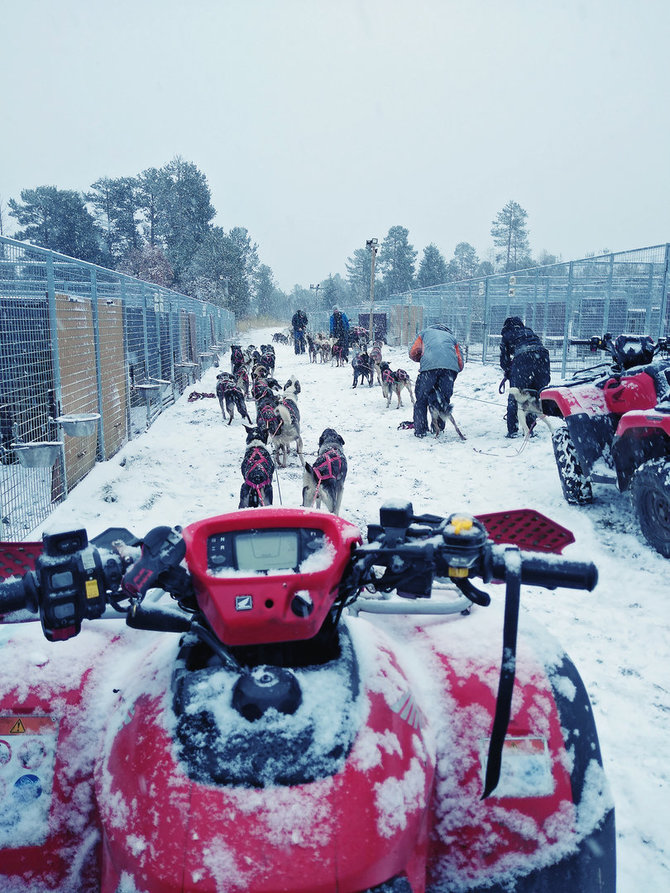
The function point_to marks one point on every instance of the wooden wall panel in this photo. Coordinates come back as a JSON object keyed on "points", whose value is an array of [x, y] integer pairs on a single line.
{"points": [[114, 378], [78, 380]]}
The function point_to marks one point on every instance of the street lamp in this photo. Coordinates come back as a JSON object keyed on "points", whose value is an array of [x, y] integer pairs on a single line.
{"points": [[372, 246]]}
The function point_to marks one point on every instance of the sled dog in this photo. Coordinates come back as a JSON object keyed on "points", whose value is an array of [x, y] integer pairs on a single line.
{"points": [[528, 404], [323, 481], [257, 470]]}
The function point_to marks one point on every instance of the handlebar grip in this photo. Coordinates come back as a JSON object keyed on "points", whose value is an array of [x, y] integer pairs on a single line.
{"points": [[584, 342], [537, 571], [550, 573], [14, 596]]}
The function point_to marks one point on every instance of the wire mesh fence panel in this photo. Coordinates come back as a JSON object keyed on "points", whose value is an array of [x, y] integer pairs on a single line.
{"points": [[88, 358]]}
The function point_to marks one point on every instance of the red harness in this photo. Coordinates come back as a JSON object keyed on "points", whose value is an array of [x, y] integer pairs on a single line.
{"points": [[257, 460]]}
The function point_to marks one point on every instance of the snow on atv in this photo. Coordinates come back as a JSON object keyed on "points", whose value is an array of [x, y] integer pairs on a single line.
{"points": [[332, 715], [617, 429]]}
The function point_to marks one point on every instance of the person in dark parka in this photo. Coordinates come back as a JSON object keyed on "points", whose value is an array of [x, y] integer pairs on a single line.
{"points": [[525, 363], [299, 323]]}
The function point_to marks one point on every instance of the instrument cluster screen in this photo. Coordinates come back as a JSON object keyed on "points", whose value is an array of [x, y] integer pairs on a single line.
{"points": [[264, 549]]}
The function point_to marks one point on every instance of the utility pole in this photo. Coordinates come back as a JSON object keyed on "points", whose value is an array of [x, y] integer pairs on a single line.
{"points": [[372, 246]]}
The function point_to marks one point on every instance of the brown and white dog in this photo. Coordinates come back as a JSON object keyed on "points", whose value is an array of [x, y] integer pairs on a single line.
{"points": [[528, 402], [287, 431], [323, 481], [395, 381], [257, 470]]}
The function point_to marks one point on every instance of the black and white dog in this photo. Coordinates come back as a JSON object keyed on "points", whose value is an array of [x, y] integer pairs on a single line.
{"points": [[439, 414], [323, 481], [257, 470], [395, 381], [362, 365], [230, 397]]}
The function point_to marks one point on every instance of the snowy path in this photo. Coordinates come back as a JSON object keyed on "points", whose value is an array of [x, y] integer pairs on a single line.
{"points": [[188, 467]]}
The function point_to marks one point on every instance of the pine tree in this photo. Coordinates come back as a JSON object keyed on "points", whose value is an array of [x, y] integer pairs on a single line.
{"points": [[114, 205], [57, 219], [433, 267], [396, 261], [359, 268], [511, 237], [465, 263]]}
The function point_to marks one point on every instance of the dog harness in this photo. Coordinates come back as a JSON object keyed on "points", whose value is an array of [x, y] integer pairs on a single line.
{"points": [[328, 466], [257, 469], [198, 395], [267, 418]]}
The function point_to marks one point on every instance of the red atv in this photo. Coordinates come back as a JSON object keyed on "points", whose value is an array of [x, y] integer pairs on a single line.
{"points": [[617, 429], [263, 729]]}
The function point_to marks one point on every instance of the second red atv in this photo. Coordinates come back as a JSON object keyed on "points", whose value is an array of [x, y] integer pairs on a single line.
{"points": [[617, 429]]}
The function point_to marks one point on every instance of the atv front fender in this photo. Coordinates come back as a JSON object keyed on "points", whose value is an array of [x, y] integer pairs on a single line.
{"points": [[640, 436]]}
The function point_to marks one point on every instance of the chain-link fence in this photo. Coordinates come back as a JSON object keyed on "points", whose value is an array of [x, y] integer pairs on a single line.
{"points": [[88, 358], [617, 293]]}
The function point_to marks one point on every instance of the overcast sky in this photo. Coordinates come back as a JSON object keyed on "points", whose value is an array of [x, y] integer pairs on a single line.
{"points": [[322, 123]]}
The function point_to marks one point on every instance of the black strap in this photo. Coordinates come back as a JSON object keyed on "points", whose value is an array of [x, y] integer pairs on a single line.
{"points": [[507, 674]]}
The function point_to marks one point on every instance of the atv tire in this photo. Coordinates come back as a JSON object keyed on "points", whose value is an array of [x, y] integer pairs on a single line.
{"points": [[650, 492], [576, 485]]}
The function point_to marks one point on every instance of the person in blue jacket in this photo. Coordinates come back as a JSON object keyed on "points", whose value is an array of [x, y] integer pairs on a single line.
{"points": [[439, 354]]}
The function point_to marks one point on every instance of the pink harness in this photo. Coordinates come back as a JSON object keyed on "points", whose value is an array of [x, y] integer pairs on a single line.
{"points": [[328, 466]]}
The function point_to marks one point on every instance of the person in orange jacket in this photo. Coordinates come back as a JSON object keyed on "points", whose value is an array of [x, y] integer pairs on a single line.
{"points": [[441, 360]]}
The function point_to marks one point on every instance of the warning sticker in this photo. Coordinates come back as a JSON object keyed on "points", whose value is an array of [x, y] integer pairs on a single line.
{"points": [[526, 767], [27, 755]]}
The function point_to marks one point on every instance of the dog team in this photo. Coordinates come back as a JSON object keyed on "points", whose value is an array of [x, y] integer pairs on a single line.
{"points": [[275, 431]]}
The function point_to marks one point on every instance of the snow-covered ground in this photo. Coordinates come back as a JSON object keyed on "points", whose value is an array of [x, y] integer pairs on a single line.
{"points": [[187, 467]]}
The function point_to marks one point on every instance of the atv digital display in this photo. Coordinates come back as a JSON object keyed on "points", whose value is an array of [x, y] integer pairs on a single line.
{"points": [[263, 550]]}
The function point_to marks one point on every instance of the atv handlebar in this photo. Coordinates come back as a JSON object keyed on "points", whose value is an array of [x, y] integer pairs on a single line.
{"points": [[74, 580], [413, 550]]}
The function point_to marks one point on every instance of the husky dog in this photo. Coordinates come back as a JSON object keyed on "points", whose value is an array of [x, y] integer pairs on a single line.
{"points": [[394, 382], [268, 357], [323, 481], [257, 470], [339, 353], [230, 396], [288, 429], [376, 357], [530, 409], [237, 358], [439, 414], [362, 366]]}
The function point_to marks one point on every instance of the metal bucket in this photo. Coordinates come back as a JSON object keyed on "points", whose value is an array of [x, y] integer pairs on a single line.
{"points": [[39, 454], [79, 425]]}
